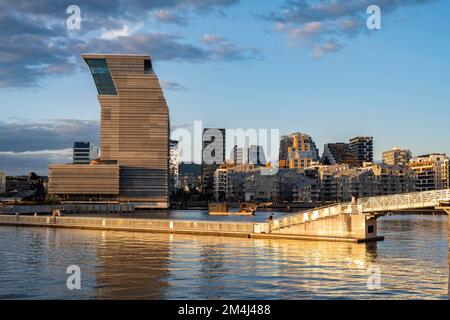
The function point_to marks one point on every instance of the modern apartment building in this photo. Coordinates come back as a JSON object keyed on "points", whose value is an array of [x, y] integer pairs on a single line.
{"points": [[431, 172], [134, 138], [392, 179], [84, 152], [255, 155], [297, 150], [362, 147], [220, 184], [213, 155], [237, 155], [339, 153], [397, 157]]}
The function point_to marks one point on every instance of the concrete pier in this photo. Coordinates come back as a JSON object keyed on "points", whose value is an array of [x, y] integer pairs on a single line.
{"points": [[219, 228]]}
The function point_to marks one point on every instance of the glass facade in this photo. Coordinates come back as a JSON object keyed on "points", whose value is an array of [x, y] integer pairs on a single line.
{"points": [[102, 76]]}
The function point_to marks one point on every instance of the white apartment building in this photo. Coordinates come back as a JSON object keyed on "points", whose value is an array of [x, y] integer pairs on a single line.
{"points": [[220, 184], [431, 172]]}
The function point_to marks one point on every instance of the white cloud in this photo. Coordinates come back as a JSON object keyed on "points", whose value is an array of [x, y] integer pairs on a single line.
{"points": [[110, 35]]}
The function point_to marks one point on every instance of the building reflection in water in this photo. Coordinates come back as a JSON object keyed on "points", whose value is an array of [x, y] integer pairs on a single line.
{"points": [[132, 266]]}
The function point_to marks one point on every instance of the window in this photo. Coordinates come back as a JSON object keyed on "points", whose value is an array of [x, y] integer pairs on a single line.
{"points": [[102, 76], [148, 67], [370, 229]]}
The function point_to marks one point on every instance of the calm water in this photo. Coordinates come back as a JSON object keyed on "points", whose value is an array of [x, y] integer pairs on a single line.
{"points": [[412, 260]]}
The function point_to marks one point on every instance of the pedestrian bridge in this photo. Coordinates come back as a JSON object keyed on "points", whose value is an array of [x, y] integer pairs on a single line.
{"points": [[357, 219]]}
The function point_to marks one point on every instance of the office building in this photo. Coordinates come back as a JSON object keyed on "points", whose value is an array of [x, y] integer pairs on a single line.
{"points": [[339, 153], [237, 155], [397, 157], [297, 150], [134, 137], [255, 155], [362, 147], [84, 152], [213, 155], [431, 172]]}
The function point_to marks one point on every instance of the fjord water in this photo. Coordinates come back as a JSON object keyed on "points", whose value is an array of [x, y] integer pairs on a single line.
{"points": [[125, 265]]}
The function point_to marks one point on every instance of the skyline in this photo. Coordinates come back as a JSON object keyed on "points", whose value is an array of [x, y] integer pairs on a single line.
{"points": [[260, 73]]}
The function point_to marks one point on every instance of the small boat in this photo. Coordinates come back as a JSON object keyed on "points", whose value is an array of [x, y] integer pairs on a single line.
{"points": [[222, 209], [248, 207]]}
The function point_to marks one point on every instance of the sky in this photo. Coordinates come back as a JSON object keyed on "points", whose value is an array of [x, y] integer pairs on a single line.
{"points": [[293, 65]]}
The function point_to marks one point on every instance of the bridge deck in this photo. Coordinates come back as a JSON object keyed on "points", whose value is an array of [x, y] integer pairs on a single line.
{"points": [[367, 206]]}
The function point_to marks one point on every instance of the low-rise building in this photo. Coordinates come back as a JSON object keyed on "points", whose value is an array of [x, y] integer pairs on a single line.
{"points": [[339, 183], [17, 184], [77, 183], [252, 183]]}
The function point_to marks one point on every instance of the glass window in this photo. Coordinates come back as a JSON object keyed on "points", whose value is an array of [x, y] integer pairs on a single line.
{"points": [[102, 76]]}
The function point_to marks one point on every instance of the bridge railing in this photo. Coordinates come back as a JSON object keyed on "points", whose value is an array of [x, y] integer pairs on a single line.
{"points": [[425, 199], [312, 214]]}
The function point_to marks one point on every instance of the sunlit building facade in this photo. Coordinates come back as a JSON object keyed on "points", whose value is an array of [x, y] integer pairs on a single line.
{"points": [[297, 150], [431, 172], [134, 132], [397, 157]]}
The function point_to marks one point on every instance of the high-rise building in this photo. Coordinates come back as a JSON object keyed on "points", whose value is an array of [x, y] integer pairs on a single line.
{"points": [[297, 150], [339, 153], [397, 157], [213, 155], [134, 137], [84, 152], [255, 155], [173, 166], [363, 148], [431, 172], [220, 184], [237, 155], [2, 183]]}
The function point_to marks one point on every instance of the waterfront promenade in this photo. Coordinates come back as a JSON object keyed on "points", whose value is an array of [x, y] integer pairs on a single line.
{"points": [[216, 228]]}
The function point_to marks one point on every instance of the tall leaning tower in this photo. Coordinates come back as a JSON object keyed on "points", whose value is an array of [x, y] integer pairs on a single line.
{"points": [[134, 126]]}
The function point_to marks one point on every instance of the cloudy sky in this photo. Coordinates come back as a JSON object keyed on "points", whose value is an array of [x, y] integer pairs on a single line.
{"points": [[294, 65]]}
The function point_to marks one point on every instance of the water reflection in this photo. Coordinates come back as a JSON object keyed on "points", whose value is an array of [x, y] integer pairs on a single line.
{"points": [[412, 260]]}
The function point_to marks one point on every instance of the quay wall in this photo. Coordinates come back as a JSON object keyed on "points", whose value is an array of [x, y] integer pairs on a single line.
{"points": [[218, 228]]}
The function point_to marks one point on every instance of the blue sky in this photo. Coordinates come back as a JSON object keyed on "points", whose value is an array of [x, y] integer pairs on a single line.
{"points": [[232, 64]]}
